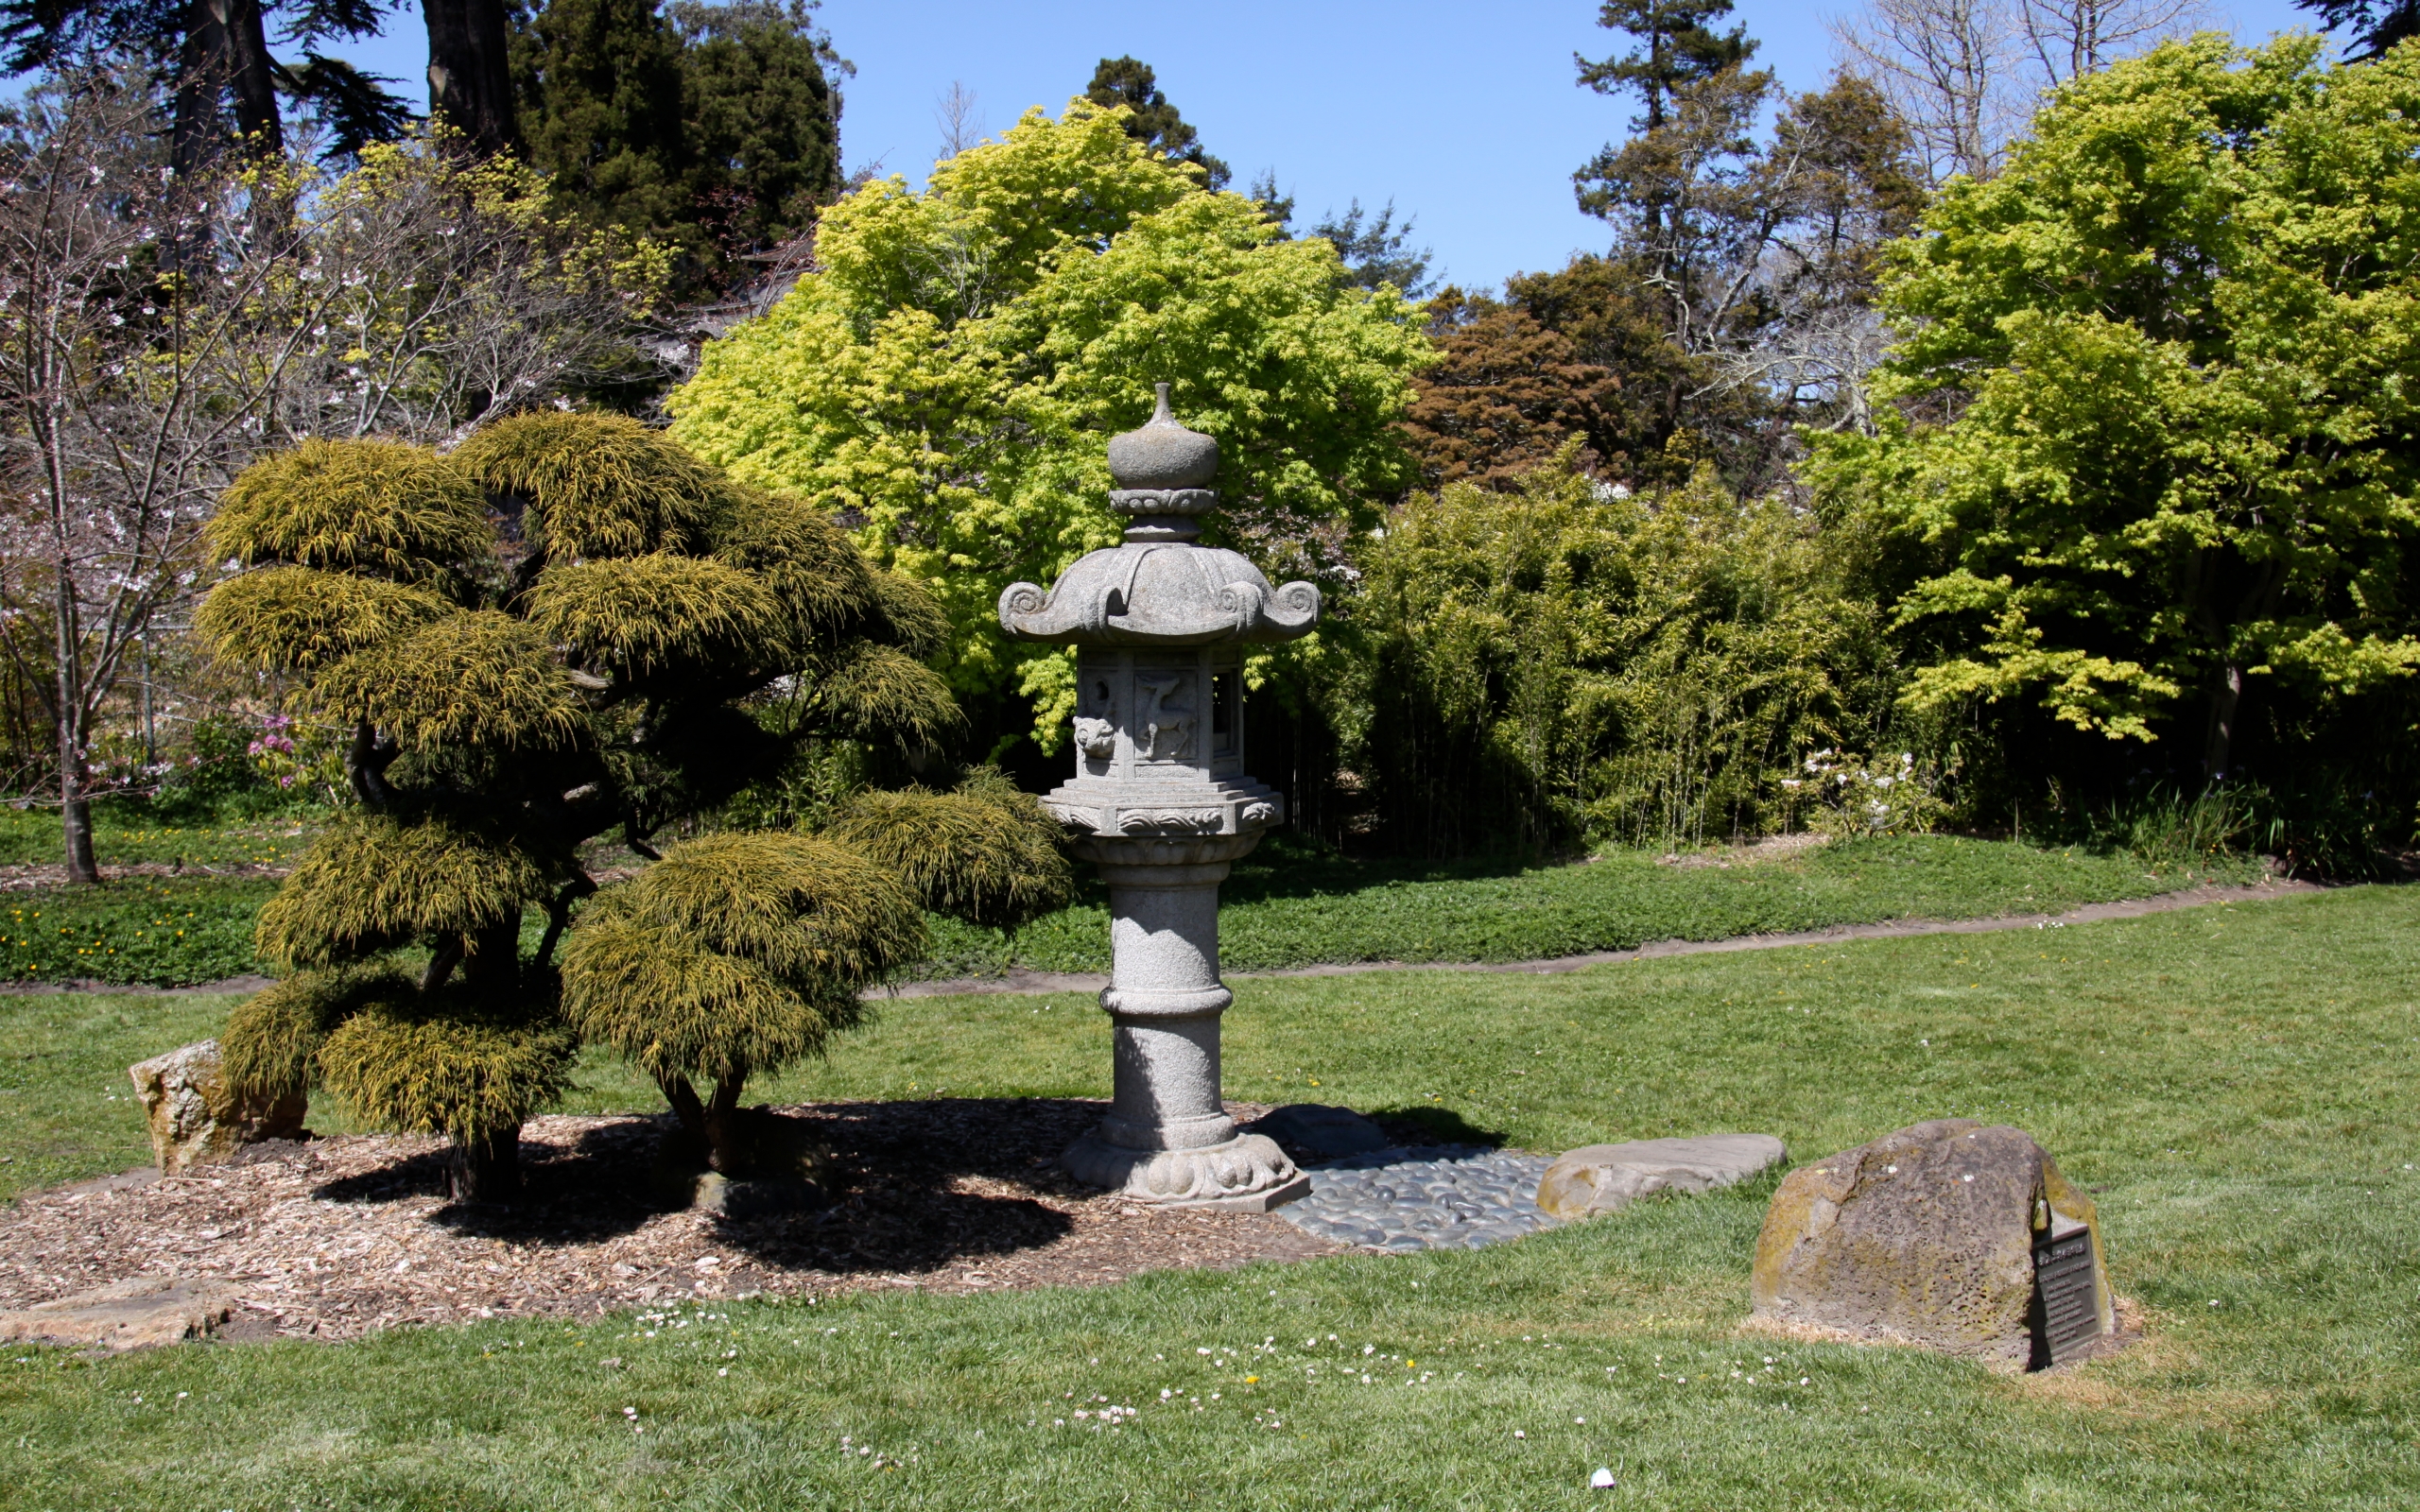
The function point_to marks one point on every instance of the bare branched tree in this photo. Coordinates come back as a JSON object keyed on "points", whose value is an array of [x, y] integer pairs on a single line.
{"points": [[959, 118], [156, 335], [1968, 74], [1951, 68], [2068, 39]]}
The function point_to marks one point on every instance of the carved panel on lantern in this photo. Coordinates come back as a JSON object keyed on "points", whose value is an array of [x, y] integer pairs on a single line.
{"points": [[1165, 720]]}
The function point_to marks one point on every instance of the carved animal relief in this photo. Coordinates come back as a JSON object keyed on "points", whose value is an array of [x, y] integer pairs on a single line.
{"points": [[1163, 730]]}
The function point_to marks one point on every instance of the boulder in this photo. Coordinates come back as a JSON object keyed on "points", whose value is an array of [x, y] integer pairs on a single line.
{"points": [[196, 1116], [1606, 1177], [1946, 1234], [126, 1315], [1314, 1131]]}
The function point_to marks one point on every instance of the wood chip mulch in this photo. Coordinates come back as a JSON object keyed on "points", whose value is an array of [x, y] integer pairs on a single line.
{"points": [[338, 1237]]}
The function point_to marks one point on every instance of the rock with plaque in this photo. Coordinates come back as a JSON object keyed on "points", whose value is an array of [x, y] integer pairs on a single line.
{"points": [[1946, 1234]]}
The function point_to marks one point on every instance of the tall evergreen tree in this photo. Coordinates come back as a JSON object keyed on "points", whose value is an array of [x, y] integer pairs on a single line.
{"points": [[1676, 47], [714, 127], [601, 97], [1155, 122], [470, 76], [226, 82], [2371, 26], [762, 116]]}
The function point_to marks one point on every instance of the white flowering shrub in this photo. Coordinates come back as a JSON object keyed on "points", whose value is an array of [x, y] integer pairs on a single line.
{"points": [[1840, 794]]}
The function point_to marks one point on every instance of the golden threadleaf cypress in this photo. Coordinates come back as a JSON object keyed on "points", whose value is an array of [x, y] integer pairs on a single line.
{"points": [[919, 624], [272, 1038], [597, 485], [374, 882], [437, 1063], [379, 507], [506, 705], [475, 678], [986, 854], [287, 619], [870, 691], [810, 565], [639, 615]]}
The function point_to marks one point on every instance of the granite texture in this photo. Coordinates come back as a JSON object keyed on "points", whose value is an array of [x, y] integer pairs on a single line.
{"points": [[1609, 1177]]}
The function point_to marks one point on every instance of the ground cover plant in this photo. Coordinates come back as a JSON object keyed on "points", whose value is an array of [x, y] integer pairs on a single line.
{"points": [[146, 931], [1290, 907], [124, 835], [2233, 1082]]}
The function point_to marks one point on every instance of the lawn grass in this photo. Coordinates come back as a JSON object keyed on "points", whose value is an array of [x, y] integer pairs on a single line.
{"points": [[2235, 1084]]}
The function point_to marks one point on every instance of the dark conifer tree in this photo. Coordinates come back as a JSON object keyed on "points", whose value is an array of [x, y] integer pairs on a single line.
{"points": [[600, 86], [762, 116], [712, 127], [1155, 122], [1676, 48], [227, 85], [2371, 26]]}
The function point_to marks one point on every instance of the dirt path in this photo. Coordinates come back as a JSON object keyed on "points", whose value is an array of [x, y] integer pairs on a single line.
{"points": [[1024, 980], [1019, 980]]}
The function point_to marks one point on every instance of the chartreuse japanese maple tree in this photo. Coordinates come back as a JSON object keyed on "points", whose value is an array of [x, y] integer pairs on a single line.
{"points": [[555, 633]]}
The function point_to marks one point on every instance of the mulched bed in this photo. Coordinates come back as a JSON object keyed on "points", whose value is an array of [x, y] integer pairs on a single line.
{"points": [[335, 1238]]}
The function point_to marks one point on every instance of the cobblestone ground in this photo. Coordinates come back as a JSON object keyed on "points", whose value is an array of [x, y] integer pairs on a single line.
{"points": [[1440, 1197]]}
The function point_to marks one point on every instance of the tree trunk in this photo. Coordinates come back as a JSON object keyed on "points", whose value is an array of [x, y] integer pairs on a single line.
{"points": [[226, 47], [2226, 703], [485, 1170], [469, 83], [253, 79], [201, 70], [717, 1126], [75, 806], [727, 1145], [76, 815]]}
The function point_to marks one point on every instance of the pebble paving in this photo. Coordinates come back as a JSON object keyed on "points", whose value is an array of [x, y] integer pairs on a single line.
{"points": [[1439, 1197]]}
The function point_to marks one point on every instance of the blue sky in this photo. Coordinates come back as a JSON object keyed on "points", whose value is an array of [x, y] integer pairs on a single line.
{"points": [[1465, 115]]}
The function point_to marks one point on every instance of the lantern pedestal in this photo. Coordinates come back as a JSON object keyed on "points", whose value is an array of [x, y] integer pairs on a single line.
{"points": [[1168, 1136]]}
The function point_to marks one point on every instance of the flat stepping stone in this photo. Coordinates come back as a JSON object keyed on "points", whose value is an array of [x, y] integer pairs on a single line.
{"points": [[129, 1315], [1608, 1178]]}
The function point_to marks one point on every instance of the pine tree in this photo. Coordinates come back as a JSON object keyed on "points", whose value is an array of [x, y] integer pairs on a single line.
{"points": [[2371, 27], [226, 83], [1154, 122], [557, 633], [1676, 48], [600, 85]]}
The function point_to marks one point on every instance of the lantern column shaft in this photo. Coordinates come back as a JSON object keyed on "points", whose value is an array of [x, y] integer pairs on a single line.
{"points": [[1164, 999]]}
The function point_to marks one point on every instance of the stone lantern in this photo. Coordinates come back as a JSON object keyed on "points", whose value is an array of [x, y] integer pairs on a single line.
{"points": [[1161, 804]]}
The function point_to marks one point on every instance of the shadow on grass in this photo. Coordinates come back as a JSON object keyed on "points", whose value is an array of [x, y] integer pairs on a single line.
{"points": [[1287, 866], [1432, 1124]]}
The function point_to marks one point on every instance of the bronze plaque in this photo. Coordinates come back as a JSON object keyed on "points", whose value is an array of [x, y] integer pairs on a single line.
{"points": [[2066, 1304]]}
